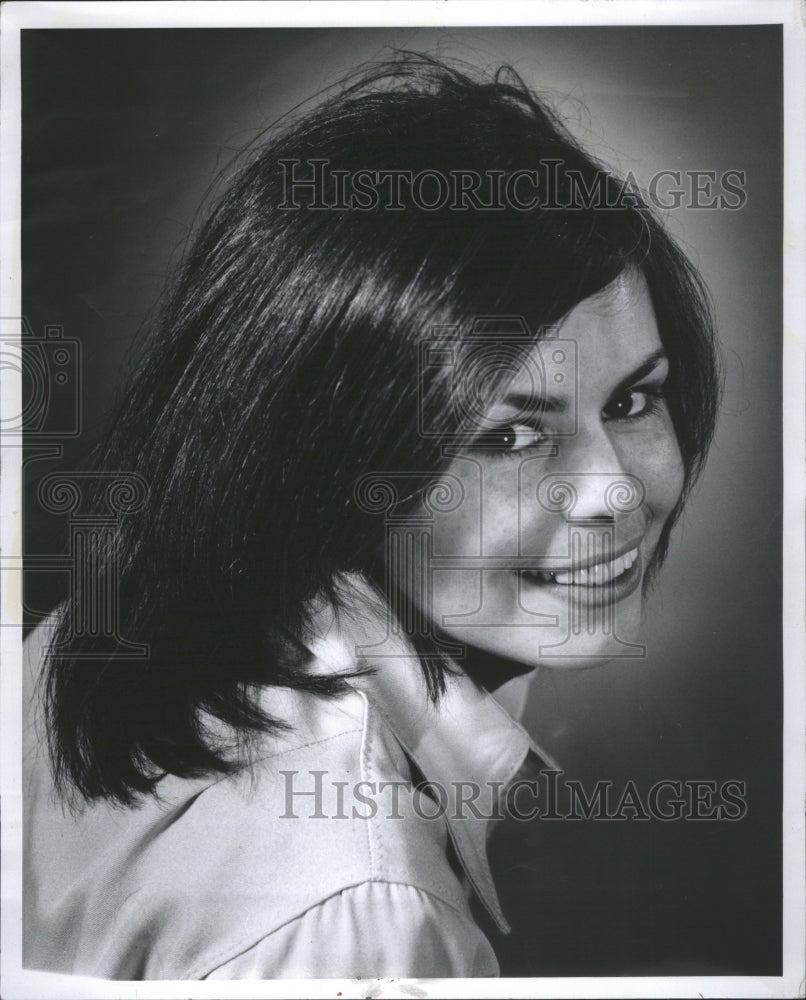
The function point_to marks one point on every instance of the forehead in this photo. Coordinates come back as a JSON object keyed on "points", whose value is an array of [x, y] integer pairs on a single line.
{"points": [[622, 310], [607, 335]]}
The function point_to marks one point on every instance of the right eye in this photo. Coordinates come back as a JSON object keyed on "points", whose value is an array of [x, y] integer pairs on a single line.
{"points": [[509, 437]]}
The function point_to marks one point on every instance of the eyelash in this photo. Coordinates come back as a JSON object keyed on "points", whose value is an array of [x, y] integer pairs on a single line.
{"points": [[484, 444], [654, 399]]}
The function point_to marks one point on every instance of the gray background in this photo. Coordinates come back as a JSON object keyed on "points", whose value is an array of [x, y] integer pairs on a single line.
{"points": [[123, 132]]}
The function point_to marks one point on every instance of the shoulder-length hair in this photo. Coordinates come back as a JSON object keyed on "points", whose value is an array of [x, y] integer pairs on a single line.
{"points": [[283, 367]]}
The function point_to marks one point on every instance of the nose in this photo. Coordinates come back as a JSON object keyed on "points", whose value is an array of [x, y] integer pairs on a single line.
{"points": [[593, 482]]}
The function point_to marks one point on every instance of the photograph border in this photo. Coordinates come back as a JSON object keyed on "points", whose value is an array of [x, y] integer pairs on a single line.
{"points": [[14, 16]]}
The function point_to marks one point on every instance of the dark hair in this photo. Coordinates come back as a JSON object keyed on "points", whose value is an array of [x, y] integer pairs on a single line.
{"points": [[284, 367]]}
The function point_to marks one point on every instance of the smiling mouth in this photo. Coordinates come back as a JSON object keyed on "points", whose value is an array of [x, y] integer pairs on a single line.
{"points": [[598, 575]]}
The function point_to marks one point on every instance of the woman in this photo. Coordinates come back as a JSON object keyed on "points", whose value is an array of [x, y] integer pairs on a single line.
{"points": [[420, 412]]}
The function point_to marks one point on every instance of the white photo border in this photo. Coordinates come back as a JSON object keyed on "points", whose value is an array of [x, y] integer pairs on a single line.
{"points": [[17, 982]]}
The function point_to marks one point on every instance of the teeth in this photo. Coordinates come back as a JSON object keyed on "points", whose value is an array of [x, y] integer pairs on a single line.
{"points": [[594, 576]]}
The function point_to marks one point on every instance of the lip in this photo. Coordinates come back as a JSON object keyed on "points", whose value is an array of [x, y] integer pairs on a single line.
{"points": [[598, 596], [572, 566]]}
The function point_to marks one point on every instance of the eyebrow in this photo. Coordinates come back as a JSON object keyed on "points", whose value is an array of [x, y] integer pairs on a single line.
{"points": [[551, 404], [645, 368]]}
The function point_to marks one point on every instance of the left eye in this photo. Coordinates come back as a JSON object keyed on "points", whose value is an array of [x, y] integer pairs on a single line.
{"points": [[630, 403], [512, 437]]}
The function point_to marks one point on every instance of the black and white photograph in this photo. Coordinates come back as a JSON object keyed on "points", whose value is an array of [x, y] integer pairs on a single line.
{"points": [[402, 500]]}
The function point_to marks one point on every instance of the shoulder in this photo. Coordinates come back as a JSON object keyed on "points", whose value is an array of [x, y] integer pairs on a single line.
{"points": [[184, 884], [330, 851], [375, 929]]}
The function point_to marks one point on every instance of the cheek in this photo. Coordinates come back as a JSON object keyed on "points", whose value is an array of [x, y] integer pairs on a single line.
{"points": [[487, 518], [659, 465]]}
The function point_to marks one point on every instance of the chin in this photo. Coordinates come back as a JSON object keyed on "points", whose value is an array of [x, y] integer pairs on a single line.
{"points": [[536, 621], [552, 648]]}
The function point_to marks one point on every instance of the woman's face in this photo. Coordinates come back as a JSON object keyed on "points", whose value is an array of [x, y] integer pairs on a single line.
{"points": [[563, 495]]}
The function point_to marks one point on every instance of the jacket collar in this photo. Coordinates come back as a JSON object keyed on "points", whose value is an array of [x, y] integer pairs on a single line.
{"points": [[466, 742]]}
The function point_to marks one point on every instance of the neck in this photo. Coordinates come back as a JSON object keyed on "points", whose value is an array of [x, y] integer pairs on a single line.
{"points": [[491, 670]]}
